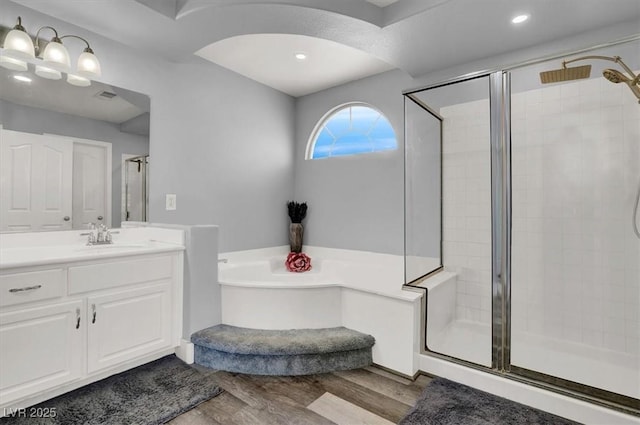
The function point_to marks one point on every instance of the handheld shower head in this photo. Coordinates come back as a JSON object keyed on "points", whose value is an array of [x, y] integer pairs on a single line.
{"points": [[615, 76]]}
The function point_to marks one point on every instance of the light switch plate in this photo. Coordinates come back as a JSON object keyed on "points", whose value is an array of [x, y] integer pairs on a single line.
{"points": [[171, 202]]}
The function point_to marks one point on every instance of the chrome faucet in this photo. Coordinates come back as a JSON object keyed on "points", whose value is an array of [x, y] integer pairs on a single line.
{"points": [[98, 235]]}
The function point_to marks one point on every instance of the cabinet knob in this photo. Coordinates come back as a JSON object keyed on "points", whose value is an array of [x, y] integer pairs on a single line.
{"points": [[100, 217], [66, 218]]}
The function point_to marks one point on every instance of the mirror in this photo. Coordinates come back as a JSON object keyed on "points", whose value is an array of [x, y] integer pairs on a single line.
{"points": [[71, 155]]}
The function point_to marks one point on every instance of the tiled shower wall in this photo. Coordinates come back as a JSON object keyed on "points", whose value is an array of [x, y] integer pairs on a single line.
{"points": [[575, 258], [466, 206], [575, 170]]}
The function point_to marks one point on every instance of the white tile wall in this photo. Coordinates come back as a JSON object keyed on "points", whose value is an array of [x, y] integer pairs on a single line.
{"points": [[467, 206], [575, 259], [575, 170]]}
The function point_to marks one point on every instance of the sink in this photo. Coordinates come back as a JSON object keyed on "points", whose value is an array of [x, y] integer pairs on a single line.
{"points": [[112, 247]]}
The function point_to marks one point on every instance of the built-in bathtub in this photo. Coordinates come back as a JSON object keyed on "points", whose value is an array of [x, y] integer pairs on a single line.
{"points": [[359, 290], [363, 291]]}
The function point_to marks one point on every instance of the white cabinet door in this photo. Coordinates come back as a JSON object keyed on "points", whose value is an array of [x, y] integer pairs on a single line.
{"points": [[36, 174], [90, 185], [127, 324], [40, 348]]}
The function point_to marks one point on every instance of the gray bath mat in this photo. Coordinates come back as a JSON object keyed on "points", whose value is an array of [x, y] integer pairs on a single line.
{"points": [[444, 402], [150, 394]]}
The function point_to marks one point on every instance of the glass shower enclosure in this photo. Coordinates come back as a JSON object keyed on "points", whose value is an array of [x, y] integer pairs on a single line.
{"points": [[539, 273], [136, 188]]}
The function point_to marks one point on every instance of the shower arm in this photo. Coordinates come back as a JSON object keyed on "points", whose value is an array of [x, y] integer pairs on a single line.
{"points": [[635, 79]]}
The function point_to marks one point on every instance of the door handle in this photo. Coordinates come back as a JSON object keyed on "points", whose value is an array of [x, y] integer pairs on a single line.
{"points": [[66, 218]]}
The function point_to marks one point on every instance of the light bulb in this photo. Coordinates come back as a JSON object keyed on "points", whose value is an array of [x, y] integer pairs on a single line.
{"points": [[18, 44], [88, 64], [56, 56]]}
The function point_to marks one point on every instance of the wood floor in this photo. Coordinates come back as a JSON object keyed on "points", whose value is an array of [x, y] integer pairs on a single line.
{"points": [[364, 396]]}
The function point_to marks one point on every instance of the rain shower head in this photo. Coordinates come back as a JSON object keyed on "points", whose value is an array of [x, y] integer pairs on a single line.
{"points": [[578, 72], [565, 74]]}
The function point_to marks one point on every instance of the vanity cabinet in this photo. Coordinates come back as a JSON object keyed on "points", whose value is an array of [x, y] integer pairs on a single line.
{"points": [[64, 327], [40, 348], [127, 324]]}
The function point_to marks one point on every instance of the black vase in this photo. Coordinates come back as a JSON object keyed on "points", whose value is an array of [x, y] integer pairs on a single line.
{"points": [[296, 231]]}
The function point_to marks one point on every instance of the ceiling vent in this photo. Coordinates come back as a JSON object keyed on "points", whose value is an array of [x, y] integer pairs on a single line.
{"points": [[106, 95]]}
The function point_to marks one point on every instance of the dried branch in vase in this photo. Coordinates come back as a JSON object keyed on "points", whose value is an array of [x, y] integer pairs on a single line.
{"points": [[297, 211]]}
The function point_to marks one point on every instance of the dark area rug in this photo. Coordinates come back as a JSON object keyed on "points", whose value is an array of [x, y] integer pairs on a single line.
{"points": [[153, 393], [444, 402]]}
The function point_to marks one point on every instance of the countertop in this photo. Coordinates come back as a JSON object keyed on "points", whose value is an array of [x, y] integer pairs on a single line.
{"points": [[56, 254]]}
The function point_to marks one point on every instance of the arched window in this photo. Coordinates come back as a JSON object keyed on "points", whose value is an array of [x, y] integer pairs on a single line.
{"points": [[351, 129]]}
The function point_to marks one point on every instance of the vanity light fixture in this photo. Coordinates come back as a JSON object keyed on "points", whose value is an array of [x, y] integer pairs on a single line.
{"points": [[520, 19], [19, 48]]}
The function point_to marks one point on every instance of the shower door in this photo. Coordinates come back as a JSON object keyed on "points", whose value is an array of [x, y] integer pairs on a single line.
{"points": [[423, 190], [456, 119], [575, 267]]}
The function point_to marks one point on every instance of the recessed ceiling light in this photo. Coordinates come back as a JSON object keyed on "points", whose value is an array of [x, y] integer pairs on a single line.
{"points": [[22, 78], [301, 56], [520, 19]]}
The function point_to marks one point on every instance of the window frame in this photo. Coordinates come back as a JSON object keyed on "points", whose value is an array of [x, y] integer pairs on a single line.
{"points": [[311, 143]]}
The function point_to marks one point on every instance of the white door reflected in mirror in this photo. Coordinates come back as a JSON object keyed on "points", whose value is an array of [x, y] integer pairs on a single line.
{"points": [[36, 182], [91, 184], [51, 182]]}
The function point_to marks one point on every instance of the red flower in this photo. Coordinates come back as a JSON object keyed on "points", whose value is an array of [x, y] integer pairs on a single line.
{"points": [[298, 262]]}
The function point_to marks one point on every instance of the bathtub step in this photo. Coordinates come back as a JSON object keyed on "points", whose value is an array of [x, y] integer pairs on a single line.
{"points": [[281, 352]]}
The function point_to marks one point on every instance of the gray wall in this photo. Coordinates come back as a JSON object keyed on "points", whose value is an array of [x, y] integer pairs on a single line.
{"points": [[354, 202], [224, 145], [35, 120], [221, 142]]}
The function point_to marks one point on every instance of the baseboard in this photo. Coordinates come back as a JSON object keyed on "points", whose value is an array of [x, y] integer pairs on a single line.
{"points": [[185, 351], [399, 374]]}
